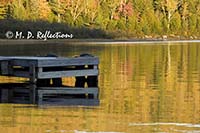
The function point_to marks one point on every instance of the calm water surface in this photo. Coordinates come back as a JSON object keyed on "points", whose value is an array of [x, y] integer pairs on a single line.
{"points": [[143, 89]]}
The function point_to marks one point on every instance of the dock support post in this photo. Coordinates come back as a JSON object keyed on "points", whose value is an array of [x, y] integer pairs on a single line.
{"points": [[92, 81], [80, 80], [95, 96], [5, 95], [32, 74], [33, 84], [6, 68], [40, 97], [32, 94]]}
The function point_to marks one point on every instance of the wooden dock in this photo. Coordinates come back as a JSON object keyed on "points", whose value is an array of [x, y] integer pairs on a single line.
{"points": [[45, 76]]}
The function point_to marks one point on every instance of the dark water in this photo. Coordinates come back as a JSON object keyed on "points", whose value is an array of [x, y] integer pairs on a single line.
{"points": [[143, 88]]}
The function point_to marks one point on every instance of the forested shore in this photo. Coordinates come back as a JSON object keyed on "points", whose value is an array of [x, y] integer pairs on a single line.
{"points": [[178, 19]]}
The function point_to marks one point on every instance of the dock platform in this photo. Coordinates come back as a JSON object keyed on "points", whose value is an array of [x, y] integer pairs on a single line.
{"points": [[45, 75]]}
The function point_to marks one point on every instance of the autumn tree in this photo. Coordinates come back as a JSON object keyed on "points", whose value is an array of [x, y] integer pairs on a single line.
{"points": [[125, 10], [134, 17], [168, 8], [43, 9], [194, 16], [74, 9], [58, 8], [91, 11], [5, 9], [2, 10], [19, 9]]}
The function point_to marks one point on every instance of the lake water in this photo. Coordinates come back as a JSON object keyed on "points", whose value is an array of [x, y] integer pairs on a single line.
{"points": [[144, 88]]}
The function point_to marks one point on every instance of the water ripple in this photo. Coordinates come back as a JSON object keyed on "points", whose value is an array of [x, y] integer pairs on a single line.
{"points": [[94, 132], [166, 124]]}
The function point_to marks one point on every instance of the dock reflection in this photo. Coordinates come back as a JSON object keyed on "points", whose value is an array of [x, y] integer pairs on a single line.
{"points": [[19, 93]]}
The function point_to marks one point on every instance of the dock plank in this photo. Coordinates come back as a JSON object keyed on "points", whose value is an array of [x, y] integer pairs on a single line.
{"points": [[49, 68], [66, 90], [23, 74], [69, 62], [51, 61], [57, 74], [70, 102], [27, 58]]}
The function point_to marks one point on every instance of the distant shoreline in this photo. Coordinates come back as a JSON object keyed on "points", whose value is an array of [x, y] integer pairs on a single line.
{"points": [[94, 41]]}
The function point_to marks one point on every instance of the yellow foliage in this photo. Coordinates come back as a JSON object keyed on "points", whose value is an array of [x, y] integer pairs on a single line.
{"points": [[44, 9]]}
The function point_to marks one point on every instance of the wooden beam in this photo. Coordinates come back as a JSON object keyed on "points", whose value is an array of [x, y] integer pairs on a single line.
{"points": [[68, 62], [70, 102], [21, 74], [66, 90], [57, 74], [21, 90], [23, 62]]}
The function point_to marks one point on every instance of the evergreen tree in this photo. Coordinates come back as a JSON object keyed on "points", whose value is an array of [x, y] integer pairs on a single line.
{"points": [[135, 17]]}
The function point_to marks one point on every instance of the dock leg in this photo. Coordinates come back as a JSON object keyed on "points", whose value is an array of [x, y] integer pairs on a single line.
{"points": [[40, 97], [80, 81], [5, 95], [33, 81], [33, 94], [92, 81], [94, 95], [10, 95], [32, 74]]}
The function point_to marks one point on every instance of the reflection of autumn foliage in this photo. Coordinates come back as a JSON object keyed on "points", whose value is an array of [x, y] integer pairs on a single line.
{"points": [[144, 75], [136, 86]]}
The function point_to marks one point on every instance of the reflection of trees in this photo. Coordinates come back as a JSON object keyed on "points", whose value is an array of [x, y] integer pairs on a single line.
{"points": [[138, 83], [155, 79], [168, 57]]}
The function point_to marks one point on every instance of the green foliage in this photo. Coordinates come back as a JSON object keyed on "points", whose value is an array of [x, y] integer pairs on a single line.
{"points": [[198, 24], [134, 17], [112, 25], [33, 9], [176, 24], [2, 12], [19, 10], [131, 25], [145, 24], [193, 23], [121, 25], [34, 26]]}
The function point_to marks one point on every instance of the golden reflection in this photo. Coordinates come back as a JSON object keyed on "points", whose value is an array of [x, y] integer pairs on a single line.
{"points": [[138, 84]]}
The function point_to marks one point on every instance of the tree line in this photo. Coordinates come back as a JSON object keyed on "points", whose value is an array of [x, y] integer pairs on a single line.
{"points": [[123, 18]]}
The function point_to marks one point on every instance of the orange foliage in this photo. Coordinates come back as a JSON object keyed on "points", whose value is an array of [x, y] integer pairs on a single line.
{"points": [[126, 9], [4, 2], [44, 9]]}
